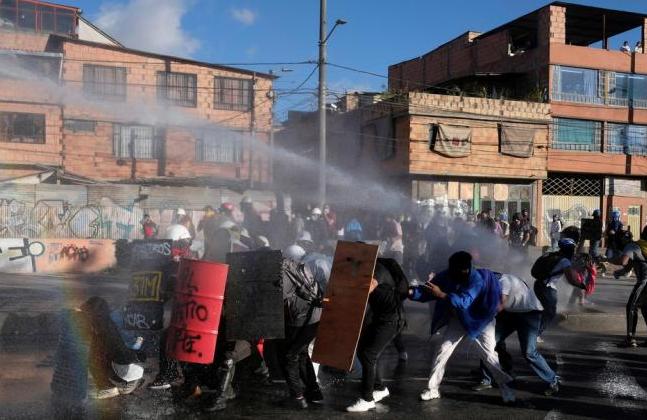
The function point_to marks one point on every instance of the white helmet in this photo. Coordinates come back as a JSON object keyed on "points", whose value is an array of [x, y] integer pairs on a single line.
{"points": [[295, 252], [181, 212], [128, 373], [316, 211], [305, 237]]}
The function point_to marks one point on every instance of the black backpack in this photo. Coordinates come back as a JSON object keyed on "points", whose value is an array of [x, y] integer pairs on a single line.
{"points": [[543, 268], [401, 283], [306, 296]]}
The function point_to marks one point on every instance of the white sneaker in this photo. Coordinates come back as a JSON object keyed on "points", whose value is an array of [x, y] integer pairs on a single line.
{"points": [[380, 395], [429, 394], [507, 394], [103, 394], [361, 406]]}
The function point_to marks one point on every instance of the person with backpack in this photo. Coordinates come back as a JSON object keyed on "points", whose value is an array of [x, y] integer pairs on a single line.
{"points": [[520, 312], [385, 319], [302, 299], [467, 301], [547, 271], [635, 255]]}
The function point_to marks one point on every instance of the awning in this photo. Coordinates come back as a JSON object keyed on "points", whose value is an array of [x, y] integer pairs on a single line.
{"points": [[453, 140]]}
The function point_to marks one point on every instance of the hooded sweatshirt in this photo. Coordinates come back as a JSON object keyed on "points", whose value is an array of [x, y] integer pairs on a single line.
{"points": [[475, 304]]}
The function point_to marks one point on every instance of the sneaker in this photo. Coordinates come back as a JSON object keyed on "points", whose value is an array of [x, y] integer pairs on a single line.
{"points": [[630, 342], [361, 406], [403, 356], [617, 274], [159, 384], [553, 388], [429, 394], [296, 403], [507, 394], [103, 394], [314, 396], [482, 386], [539, 339], [380, 394]]}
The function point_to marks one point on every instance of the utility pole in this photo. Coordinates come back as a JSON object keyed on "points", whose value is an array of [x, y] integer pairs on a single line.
{"points": [[322, 102]]}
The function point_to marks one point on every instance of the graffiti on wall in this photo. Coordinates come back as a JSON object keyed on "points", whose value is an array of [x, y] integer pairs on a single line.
{"points": [[60, 219], [42, 255]]}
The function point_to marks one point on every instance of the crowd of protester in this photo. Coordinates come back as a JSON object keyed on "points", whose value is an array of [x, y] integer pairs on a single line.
{"points": [[463, 263]]}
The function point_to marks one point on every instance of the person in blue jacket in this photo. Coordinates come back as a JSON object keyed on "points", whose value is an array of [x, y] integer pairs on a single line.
{"points": [[467, 303]]}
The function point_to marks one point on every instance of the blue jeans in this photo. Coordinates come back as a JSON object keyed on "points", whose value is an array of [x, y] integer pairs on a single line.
{"points": [[526, 324], [594, 248]]}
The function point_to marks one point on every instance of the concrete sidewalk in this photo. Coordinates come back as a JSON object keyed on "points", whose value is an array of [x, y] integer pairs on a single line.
{"points": [[607, 310]]}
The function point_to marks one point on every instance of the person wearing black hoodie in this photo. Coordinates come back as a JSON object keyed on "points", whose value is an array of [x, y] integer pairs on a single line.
{"points": [[384, 320]]}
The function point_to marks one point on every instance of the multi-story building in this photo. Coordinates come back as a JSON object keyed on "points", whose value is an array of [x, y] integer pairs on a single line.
{"points": [[75, 100], [596, 97]]}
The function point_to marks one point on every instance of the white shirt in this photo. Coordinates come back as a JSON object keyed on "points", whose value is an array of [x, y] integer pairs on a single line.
{"points": [[520, 297], [177, 232]]}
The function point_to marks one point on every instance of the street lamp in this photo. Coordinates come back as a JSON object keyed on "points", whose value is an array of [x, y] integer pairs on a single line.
{"points": [[323, 39]]}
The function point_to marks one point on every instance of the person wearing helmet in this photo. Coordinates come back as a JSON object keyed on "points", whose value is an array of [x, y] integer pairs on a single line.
{"points": [[546, 288], [317, 227], [111, 360], [635, 255], [613, 231]]}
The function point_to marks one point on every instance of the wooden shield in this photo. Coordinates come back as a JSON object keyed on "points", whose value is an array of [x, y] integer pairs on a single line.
{"points": [[254, 296], [345, 304]]}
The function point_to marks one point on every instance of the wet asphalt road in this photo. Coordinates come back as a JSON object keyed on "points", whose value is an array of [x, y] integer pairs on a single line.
{"points": [[600, 379]]}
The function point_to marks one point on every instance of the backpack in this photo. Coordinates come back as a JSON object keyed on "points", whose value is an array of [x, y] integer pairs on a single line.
{"points": [[543, 268], [401, 283], [306, 294]]}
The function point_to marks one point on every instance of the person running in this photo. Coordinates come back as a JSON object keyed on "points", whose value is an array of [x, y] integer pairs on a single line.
{"points": [[385, 320], [467, 302], [634, 256], [520, 313], [548, 270]]}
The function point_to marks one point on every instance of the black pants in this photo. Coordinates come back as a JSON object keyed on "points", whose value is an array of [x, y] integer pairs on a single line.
{"points": [[297, 366], [374, 339], [637, 300], [548, 298], [168, 368]]}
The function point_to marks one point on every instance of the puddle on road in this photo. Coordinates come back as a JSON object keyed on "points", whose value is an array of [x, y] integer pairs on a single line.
{"points": [[616, 380]]}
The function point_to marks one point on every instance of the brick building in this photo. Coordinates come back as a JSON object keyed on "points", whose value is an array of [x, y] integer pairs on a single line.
{"points": [[75, 100], [596, 97]]}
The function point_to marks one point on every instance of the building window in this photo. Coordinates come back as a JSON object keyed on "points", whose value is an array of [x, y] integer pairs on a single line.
{"points": [[30, 64], [104, 82], [79, 126], [626, 138], [219, 146], [29, 14], [233, 94], [177, 88], [569, 134], [137, 140], [17, 127], [572, 84]]}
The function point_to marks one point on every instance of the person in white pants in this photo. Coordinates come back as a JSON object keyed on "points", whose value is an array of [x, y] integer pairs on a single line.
{"points": [[467, 303]]}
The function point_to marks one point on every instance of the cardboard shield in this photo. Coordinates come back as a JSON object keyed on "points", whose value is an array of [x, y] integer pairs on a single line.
{"points": [[254, 296], [344, 304]]}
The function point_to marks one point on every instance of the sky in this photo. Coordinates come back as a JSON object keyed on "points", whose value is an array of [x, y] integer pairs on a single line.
{"points": [[243, 32]]}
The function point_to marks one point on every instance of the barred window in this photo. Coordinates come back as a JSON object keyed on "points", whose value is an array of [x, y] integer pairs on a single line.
{"points": [[17, 127], [573, 186], [219, 146], [135, 139], [177, 88], [77, 126], [627, 138], [104, 82], [570, 134], [233, 94]]}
